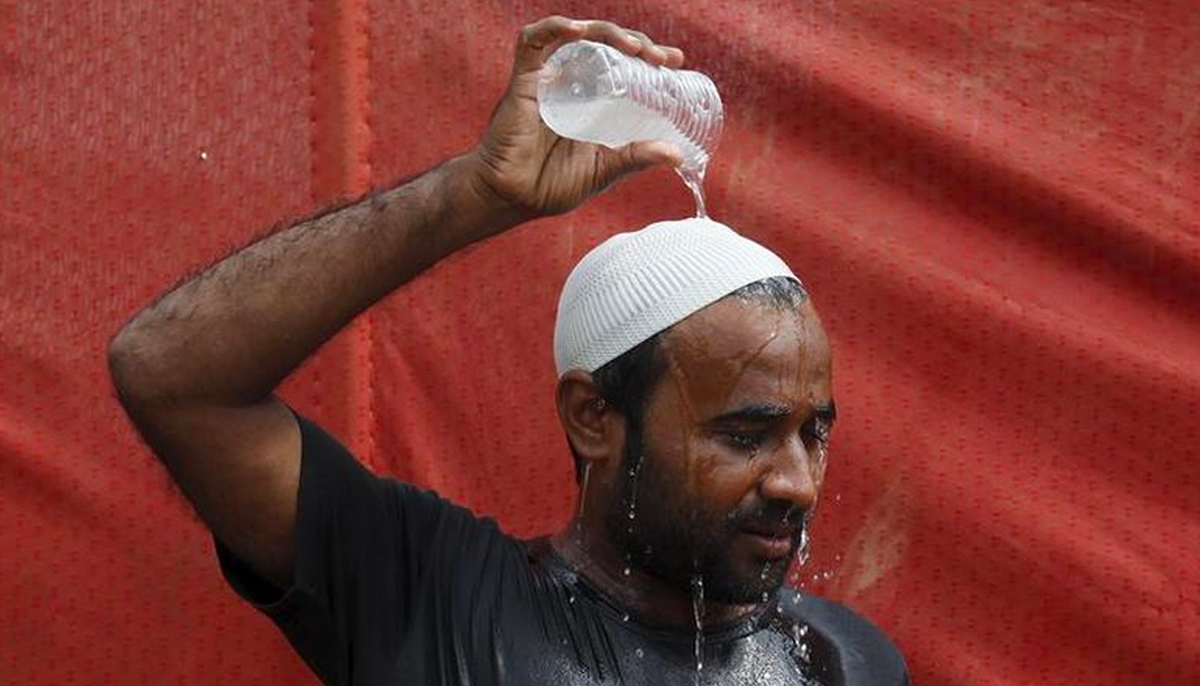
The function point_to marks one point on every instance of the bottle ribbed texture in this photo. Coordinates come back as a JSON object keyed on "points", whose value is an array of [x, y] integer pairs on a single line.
{"points": [[594, 92], [635, 284]]}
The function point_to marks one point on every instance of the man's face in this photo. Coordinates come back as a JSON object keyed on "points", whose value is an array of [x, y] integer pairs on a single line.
{"points": [[732, 453]]}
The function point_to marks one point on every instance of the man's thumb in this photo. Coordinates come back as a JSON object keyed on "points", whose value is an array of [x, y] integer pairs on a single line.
{"points": [[645, 154], [633, 157]]}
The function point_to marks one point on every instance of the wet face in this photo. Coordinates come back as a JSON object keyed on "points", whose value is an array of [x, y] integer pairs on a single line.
{"points": [[732, 453]]}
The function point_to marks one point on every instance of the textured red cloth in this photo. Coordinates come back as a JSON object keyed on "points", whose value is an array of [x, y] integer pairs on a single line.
{"points": [[995, 205]]}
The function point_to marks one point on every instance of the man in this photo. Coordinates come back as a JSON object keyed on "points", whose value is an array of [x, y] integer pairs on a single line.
{"points": [[695, 394]]}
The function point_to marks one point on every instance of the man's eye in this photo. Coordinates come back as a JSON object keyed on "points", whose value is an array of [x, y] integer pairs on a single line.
{"points": [[817, 431], [745, 441]]}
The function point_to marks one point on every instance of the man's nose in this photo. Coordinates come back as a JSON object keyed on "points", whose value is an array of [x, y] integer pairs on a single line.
{"points": [[790, 474]]}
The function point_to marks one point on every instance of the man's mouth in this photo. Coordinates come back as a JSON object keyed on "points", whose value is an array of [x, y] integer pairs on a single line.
{"points": [[771, 542]]}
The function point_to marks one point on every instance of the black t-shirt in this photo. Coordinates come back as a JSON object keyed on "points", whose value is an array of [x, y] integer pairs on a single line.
{"points": [[394, 586]]}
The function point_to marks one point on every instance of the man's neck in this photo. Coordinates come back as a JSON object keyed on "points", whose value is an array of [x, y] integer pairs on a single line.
{"points": [[655, 601]]}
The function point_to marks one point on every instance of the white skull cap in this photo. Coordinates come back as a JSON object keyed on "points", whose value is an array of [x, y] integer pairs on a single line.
{"points": [[635, 284]]}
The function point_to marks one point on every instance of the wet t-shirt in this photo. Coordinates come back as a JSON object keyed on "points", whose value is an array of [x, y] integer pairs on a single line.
{"points": [[394, 586]]}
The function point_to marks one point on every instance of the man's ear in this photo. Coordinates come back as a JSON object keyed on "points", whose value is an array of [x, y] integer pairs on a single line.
{"points": [[594, 428]]}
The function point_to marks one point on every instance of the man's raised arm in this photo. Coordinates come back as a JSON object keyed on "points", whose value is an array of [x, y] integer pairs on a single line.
{"points": [[197, 369]]}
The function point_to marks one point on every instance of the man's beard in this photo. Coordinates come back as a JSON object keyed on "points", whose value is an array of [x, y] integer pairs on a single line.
{"points": [[677, 541]]}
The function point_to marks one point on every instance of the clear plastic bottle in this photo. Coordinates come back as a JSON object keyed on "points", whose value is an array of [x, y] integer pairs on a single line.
{"points": [[593, 92]]}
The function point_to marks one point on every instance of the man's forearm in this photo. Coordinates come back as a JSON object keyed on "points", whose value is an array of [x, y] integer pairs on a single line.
{"points": [[230, 335]]}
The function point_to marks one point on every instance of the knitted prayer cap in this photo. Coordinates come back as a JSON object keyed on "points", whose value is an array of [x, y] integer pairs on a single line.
{"points": [[635, 284]]}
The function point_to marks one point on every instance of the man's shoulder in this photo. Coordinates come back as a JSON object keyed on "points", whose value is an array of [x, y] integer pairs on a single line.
{"points": [[862, 653]]}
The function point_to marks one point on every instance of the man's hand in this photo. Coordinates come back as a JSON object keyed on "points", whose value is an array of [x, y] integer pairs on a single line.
{"points": [[533, 170]]}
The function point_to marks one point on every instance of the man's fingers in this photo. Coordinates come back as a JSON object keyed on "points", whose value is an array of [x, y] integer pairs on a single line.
{"points": [[674, 57], [546, 31], [536, 41], [650, 51], [628, 41]]}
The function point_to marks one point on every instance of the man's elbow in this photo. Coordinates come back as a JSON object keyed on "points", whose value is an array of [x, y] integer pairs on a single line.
{"points": [[129, 369]]}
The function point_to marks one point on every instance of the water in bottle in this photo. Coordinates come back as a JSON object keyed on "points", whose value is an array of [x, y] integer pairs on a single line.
{"points": [[593, 92]]}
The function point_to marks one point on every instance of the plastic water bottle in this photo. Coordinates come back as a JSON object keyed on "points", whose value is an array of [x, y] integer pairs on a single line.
{"points": [[593, 92]]}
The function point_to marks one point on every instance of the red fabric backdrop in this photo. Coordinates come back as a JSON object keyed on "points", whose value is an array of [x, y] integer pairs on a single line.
{"points": [[994, 203]]}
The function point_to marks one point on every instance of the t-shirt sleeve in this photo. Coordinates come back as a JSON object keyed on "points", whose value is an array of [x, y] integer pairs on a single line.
{"points": [[363, 544]]}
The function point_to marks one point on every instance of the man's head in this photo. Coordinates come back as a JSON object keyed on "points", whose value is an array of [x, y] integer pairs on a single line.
{"points": [[703, 435]]}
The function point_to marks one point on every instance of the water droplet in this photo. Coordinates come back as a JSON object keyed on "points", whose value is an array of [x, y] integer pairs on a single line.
{"points": [[799, 647], [802, 550], [640, 653], [571, 599], [625, 617], [203, 155], [583, 492], [698, 612], [632, 476], [577, 89], [627, 571]]}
